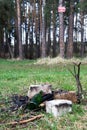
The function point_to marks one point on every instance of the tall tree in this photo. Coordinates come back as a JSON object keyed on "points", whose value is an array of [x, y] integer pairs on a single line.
{"points": [[70, 30], [54, 27], [61, 31], [19, 29], [82, 26], [43, 46]]}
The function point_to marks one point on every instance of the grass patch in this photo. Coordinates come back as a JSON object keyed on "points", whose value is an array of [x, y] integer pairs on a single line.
{"points": [[17, 76]]}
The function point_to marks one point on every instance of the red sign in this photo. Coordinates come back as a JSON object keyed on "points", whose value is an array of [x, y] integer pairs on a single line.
{"points": [[61, 9]]}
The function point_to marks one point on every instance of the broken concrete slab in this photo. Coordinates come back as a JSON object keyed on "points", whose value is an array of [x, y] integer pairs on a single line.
{"points": [[35, 89], [58, 107]]}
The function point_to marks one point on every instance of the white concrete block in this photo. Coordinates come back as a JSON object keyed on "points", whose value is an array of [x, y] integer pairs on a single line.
{"points": [[58, 107], [35, 89]]}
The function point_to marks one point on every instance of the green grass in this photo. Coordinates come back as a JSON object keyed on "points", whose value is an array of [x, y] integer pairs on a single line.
{"points": [[17, 76]]}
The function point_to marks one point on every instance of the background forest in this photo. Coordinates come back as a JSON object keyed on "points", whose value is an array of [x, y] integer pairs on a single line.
{"points": [[34, 28]]}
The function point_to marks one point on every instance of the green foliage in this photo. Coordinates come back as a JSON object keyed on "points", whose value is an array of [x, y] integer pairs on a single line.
{"points": [[49, 7], [6, 12], [83, 6]]}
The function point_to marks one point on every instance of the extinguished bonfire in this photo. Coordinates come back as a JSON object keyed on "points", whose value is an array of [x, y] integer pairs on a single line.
{"points": [[38, 95]]}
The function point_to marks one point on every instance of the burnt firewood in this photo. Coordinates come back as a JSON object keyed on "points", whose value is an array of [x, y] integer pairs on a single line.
{"points": [[18, 101], [37, 99], [47, 97], [67, 95]]}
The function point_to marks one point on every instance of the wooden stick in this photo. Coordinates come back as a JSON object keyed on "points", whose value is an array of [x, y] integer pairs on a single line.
{"points": [[25, 121]]}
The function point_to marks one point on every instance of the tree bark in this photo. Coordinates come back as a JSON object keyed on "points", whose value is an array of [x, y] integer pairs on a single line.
{"points": [[70, 33], [43, 47], [54, 33], [61, 31], [19, 29], [82, 29], [8, 42]]}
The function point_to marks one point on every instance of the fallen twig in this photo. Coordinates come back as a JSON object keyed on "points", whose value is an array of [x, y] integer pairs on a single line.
{"points": [[25, 121]]}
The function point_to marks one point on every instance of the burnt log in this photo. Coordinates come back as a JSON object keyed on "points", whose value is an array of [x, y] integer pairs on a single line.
{"points": [[68, 95]]}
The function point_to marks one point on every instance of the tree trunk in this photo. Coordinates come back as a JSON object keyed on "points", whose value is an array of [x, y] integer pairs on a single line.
{"points": [[82, 29], [54, 30], [40, 24], [8, 42], [1, 43], [19, 29], [61, 31], [26, 46], [43, 47], [31, 50], [70, 33], [16, 46]]}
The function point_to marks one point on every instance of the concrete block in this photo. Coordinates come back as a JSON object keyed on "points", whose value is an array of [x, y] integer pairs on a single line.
{"points": [[35, 89], [58, 107]]}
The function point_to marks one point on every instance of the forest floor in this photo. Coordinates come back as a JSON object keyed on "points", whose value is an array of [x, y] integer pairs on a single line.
{"points": [[17, 76]]}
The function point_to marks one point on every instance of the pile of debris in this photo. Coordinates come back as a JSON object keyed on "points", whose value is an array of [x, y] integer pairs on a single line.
{"points": [[39, 95]]}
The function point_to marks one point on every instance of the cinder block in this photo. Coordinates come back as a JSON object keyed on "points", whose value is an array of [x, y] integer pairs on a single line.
{"points": [[35, 89], [58, 107]]}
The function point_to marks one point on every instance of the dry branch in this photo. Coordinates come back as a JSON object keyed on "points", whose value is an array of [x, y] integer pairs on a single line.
{"points": [[76, 75], [25, 121]]}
